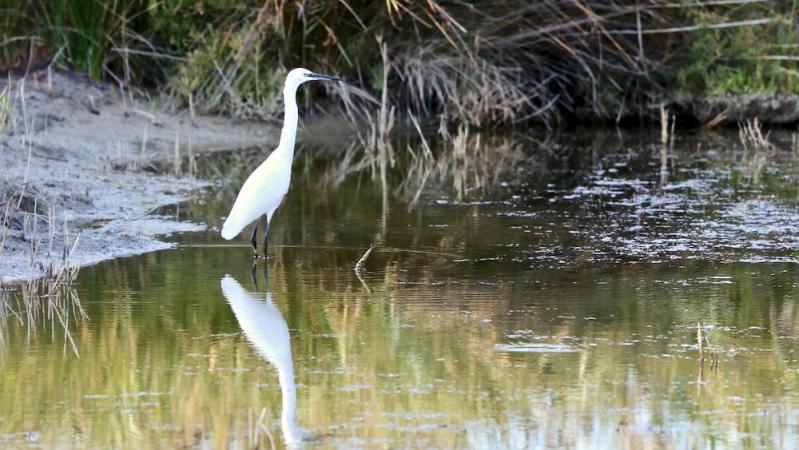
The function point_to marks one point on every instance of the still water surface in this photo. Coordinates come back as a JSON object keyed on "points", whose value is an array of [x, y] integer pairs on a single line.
{"points": [[534, 310]]}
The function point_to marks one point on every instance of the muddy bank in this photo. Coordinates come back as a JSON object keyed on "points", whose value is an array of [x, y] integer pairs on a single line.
{"points": [[724, 110], [77, 151], [732, 109]]}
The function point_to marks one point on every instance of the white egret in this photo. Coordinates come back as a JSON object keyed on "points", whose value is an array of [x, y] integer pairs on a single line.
{"points": [[267, 331], [265, 188]]}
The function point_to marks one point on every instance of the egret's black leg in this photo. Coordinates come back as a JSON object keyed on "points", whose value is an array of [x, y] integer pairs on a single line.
{"points": [[266, 233], [252, 274], [254, 240]]}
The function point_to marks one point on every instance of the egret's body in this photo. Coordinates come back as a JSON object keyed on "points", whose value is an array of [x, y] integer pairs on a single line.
{"points": [[261, 193], [267, 331], [264, 189]]}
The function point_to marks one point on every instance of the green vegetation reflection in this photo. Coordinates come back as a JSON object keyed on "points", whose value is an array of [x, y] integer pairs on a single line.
{"points": [[464, 361]]}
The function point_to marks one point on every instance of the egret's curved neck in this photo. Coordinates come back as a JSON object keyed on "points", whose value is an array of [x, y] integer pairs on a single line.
{"points": [[289, 134]]}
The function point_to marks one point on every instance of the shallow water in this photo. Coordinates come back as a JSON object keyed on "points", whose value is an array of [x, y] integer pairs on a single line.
{"points": [[554, 304]]}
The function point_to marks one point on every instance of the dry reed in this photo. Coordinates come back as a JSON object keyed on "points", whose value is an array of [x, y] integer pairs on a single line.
{"points": [[479, 62], [667, 125], [703, 343], [751, 135]]}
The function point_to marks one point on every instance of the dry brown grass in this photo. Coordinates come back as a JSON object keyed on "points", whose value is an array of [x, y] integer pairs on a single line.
{"points": [[751, 135], [50, 249], [478, 61], [481, 62]]}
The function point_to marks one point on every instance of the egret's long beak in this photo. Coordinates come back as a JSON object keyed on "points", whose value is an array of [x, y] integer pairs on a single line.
{"points": [[321, 76]]}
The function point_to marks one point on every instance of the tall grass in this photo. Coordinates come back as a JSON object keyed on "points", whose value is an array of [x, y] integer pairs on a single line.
{"points": [[106, 39], [481, 62], [493, 62]]}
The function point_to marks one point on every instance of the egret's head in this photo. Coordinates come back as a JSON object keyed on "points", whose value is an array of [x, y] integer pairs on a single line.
{"points": [[298, 76]]}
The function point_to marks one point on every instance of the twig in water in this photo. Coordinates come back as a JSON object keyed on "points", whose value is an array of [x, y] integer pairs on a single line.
{"points": [[5, 108], [260, 427], [192, 162], [424, 161], [363, 282], [714, 356], [667, 123], [142, 149], [191, 107], [176, 162], [359, 264], [704, 342], [700, 340]]}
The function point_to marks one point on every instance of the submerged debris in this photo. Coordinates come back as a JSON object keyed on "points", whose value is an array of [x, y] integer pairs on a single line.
{"points": [[359, 264]]}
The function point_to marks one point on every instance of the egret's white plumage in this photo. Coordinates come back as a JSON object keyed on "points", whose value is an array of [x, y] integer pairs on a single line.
{"points": [[265, 188], [267, 331], [261, 193]]}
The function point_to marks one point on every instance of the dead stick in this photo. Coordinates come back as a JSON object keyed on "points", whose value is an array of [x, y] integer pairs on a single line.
{"points": [[701, 344], [359, 264]]}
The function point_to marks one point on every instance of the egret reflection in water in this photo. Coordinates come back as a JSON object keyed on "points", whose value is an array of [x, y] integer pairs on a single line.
{"points": [[267, 331]]}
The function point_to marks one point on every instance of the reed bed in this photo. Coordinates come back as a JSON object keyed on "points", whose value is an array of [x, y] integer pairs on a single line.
{"points": [[479, 62]]}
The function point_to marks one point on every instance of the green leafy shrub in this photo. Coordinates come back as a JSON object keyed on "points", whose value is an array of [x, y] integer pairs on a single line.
{"points": [[745, 59]]}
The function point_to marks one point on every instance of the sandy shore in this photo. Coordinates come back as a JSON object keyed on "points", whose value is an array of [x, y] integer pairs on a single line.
{"points": [[75, 150]]}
